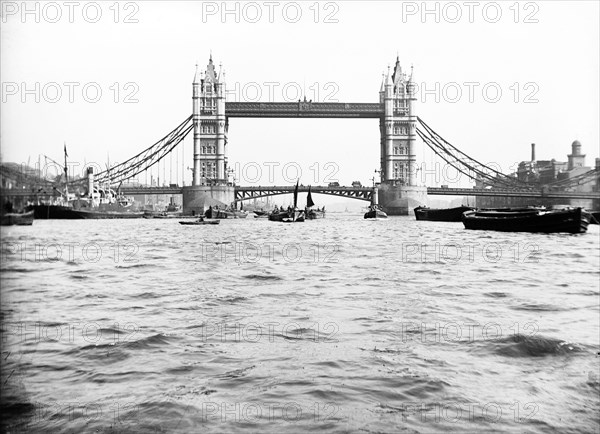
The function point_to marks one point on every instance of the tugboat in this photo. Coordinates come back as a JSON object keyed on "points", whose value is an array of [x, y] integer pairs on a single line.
{"points": [[375, 212]]}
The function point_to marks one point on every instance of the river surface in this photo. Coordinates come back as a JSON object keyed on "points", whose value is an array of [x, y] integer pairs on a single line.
{"points": [[334, 325]]}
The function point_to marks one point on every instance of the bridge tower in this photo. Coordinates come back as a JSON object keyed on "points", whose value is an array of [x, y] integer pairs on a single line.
{"points": [[209, 185], [209, 126], [398, 190]]}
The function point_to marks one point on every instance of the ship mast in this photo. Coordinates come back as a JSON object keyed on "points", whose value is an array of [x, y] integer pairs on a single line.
{"points": [[66, 174]]}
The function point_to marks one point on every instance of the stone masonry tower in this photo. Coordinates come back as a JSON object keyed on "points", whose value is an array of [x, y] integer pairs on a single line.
{"points": [[209, 185], [209, 127], [398, 128], [399, 192]]}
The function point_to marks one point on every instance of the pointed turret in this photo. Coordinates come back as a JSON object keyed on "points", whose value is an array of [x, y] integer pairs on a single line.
{"points": [[211, 75], [388, 81], [220, 72], [382, 87], [197, 75]]}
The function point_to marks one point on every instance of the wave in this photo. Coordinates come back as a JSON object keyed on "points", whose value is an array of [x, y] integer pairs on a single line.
{"points": [[496, 294], [541, 307], [262, 277], [533, 346], [137, 265]]}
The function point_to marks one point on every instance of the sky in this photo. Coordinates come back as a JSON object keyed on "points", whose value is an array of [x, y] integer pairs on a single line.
{"points": [[111, 78]]}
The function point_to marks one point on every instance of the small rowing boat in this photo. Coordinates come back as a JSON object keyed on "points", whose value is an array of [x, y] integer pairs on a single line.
{"points": [[200, 222]]}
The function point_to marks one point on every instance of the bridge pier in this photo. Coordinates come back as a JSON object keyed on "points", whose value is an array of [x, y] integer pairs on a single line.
{"points": [[401, 199], [197, 199]]}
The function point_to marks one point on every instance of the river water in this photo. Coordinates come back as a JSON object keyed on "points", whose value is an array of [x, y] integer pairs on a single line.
{"points": [[334, 325]]}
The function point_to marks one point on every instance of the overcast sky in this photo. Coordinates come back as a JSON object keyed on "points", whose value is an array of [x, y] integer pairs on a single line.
{"points": [[546, 66]]}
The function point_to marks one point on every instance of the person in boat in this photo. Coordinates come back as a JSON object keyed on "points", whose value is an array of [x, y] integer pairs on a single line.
{"points": [[281, 209], [209, 212]]}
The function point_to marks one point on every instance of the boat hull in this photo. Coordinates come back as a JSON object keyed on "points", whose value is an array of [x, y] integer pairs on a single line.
{"points": [[221, 214], [375, 214], [162, 215], [287, 217], [572, 221], [61, 212], [199, 223], [16, 219], [441, 214], [314, 215]]}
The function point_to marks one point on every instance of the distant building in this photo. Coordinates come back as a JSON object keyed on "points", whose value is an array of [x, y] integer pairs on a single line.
{"points": [[544, 172]]}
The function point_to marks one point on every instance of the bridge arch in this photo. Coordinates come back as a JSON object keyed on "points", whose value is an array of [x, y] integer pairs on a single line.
{"points": [[249, 193]]}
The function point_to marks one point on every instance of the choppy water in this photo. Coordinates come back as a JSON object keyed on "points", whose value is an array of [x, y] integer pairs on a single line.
{"points": [[336, 325]]}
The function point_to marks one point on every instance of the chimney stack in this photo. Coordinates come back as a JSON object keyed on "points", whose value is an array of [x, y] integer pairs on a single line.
{"points": [[533, 152], [90, 177]]}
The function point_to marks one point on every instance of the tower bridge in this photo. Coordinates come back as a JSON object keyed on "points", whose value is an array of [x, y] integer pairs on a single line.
{"points": [[361, 193], [399, 126]]}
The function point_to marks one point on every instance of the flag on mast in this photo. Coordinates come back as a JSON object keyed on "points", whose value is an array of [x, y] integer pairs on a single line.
{"points": [[66, 155]]}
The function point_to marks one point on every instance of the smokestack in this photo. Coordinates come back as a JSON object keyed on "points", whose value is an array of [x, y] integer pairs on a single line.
{"points": [[90, 176], [533, 152]]}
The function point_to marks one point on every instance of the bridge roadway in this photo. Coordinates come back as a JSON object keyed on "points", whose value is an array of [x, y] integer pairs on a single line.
{"points": [[360, 193]]}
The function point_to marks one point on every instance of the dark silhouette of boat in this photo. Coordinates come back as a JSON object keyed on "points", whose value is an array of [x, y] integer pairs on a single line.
{"points": [[162, 214], [17, 219], [50, 211], [441, 214], [314, 214], [572, 220], [290, 215], [375, 213], [217, 213], [200, 222], [309, 212], [100, 202]]}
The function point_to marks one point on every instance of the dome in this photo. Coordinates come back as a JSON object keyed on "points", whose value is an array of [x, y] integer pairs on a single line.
{"points": [[576, 143]]}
